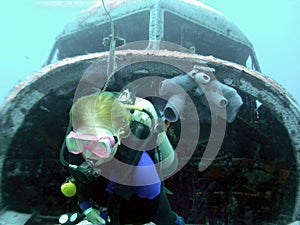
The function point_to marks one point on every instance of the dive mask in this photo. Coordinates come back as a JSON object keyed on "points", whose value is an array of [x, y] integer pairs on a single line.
{"points": [[102, 145]]}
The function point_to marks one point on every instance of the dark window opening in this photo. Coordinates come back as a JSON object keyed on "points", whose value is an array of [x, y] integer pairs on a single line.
{"points": [[132, 28], [203, 41]]}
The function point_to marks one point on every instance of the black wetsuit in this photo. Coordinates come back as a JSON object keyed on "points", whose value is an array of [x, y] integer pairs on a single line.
{"points": [[124, 205]]}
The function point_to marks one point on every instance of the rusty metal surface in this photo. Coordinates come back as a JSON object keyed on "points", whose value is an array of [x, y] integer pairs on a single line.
{"points": [[160, 20], [192, 10], [49, 92]]}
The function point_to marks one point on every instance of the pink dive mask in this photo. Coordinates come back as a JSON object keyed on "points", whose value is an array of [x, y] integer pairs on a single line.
{"points": [[101, 145]]}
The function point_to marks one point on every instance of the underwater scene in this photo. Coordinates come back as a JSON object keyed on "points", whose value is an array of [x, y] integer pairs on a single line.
{"points": [[150, 112]]}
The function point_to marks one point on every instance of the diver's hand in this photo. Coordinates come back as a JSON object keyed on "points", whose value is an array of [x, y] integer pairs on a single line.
{"points": [[93, 216]]}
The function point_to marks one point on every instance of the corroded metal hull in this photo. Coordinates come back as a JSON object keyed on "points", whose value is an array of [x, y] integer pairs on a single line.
{"points": [[253, 180], [254, 177]]}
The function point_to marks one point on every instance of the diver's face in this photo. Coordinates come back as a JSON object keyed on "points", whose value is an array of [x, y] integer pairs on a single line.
{"points": [[97, 145]]}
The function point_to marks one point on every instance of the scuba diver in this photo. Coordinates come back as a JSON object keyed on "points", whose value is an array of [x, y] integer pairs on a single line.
{"points": [[113, 152]]}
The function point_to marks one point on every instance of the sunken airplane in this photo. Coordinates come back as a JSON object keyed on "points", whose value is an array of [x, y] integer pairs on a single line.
{"points": [[244, 166]]}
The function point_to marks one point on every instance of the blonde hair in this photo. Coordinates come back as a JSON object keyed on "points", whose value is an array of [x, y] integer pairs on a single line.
{"points": [[99, 109]]}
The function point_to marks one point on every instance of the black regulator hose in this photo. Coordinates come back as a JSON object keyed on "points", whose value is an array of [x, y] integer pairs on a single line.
{"points": [[63, 147]]}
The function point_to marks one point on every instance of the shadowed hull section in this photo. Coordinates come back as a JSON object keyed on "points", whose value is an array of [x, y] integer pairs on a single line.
{"points": [[254, 177]]}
